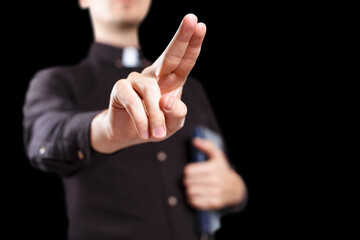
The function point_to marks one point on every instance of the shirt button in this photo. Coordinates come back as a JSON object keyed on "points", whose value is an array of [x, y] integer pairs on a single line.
{"points": [[42, 150], [172, 201], [80, 155], [161, 156]]}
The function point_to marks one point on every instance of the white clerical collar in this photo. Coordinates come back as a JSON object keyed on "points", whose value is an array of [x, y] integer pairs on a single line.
{"points": [[131, 57]]}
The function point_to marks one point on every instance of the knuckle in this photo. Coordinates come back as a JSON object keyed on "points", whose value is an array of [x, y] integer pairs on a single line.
{"points": [[157, 116], [118, 90], [192, 201], [215, 203], [150, 87], [199, 203], [188, 63], [117, 87], [181, 123], [187, 170], [133, 75], [172, 60], [141, 122], [190, 169], [189, 191], [181, 111], [122, 83]]}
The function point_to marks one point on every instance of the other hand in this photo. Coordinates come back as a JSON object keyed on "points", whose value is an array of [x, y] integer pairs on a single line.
{"points": [[213, 184]]}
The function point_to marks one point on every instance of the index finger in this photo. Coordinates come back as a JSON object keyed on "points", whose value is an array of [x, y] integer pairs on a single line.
{"points": [[175, 51]]}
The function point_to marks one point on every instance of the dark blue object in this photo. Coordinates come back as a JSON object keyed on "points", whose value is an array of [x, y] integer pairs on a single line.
{"points": [[208, 221]]}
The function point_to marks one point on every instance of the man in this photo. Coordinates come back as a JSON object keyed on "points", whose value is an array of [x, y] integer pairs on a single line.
{"points": [[124, 161]]}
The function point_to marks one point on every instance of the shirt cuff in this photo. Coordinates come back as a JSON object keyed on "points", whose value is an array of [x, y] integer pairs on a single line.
{"points": [[68, 151]]}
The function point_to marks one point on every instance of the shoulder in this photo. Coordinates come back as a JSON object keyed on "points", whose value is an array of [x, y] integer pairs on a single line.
{"points": [[51, 76], [55, 71], [56, 76], [51, 82]]}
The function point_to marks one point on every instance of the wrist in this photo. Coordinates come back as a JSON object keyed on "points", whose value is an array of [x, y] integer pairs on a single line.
{"points": [[98, 134], [104, 138]]}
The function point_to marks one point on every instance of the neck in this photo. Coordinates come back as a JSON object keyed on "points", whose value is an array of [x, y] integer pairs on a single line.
{"points": [[117, 36]]}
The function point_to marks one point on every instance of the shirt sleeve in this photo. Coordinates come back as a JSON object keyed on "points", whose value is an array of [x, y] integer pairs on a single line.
{"points": [[56, 134]]}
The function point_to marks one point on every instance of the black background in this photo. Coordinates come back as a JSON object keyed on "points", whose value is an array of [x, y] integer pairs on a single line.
{"points": [[244, 66]]}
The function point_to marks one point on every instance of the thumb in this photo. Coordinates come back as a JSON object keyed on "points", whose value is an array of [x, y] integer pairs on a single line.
{"points": [[208, 147]]}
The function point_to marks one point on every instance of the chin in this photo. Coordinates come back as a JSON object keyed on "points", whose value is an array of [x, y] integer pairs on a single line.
{"points": [[125, 4], [125, 1], [130, 10]]}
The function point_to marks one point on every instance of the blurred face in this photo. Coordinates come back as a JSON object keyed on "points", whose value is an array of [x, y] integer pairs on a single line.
{"points": [[120, 12]]}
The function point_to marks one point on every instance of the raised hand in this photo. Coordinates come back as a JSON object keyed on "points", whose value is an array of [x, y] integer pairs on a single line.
{"points": [[147, 106]]}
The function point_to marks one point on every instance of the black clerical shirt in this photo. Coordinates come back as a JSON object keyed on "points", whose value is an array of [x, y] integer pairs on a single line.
{"points": [[133, 194]]}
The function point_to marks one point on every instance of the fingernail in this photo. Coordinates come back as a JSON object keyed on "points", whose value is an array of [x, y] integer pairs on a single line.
{"points": [[145, 135], [159, 132], [170, 103]]}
